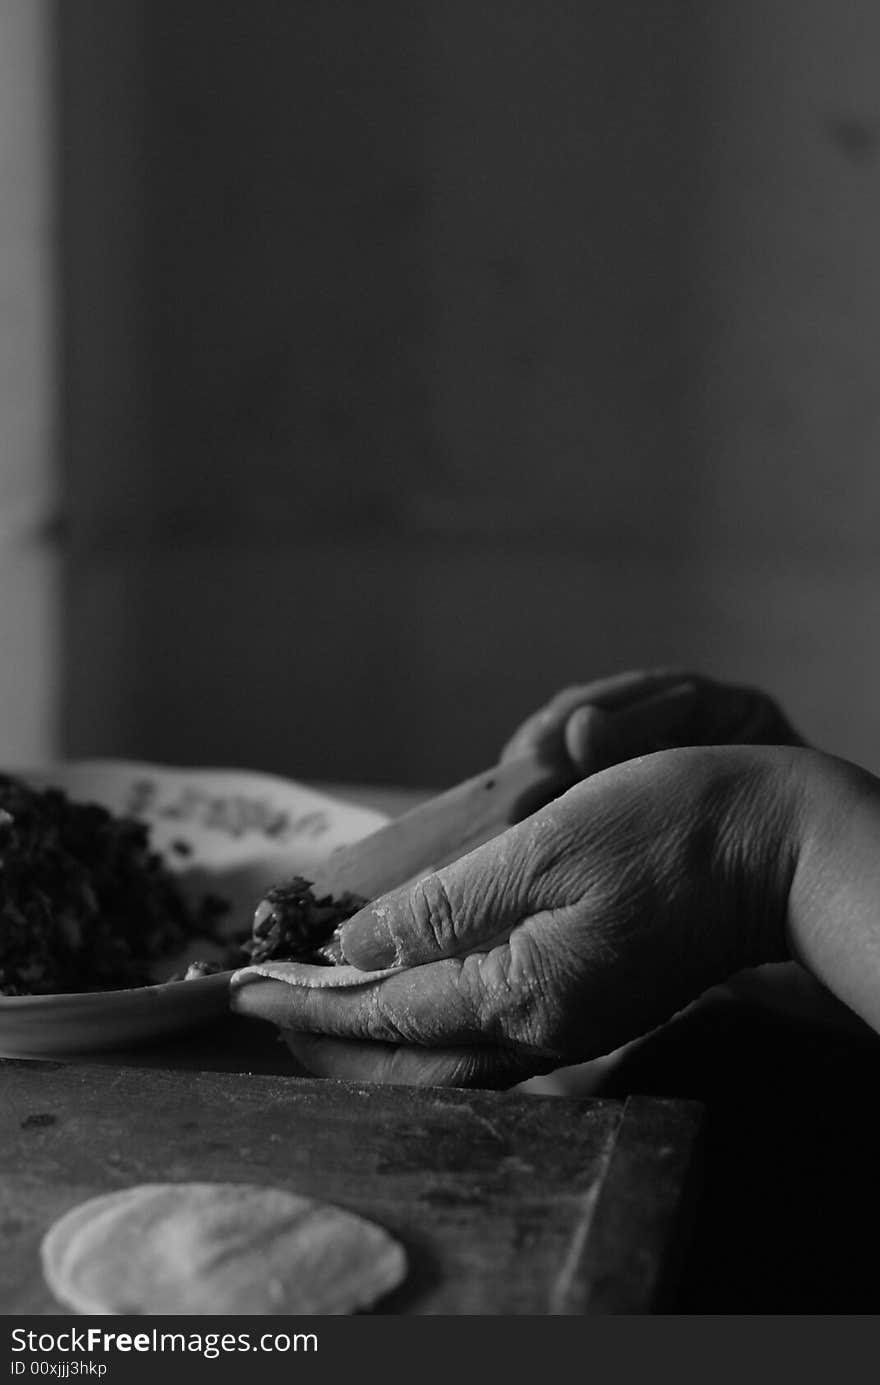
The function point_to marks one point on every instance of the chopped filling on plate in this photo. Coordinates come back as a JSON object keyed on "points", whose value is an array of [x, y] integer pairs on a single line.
{"points": [[85, 903]]}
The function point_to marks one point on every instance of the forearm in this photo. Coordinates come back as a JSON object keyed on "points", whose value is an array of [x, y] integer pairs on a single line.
{"points": [[833, 921]]}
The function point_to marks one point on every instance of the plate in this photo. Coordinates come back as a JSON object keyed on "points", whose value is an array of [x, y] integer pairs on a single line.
{"points": [[244, 832]]}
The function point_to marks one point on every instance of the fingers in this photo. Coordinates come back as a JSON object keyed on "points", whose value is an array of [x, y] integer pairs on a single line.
{"points": [[596, 738], [484, 998], [614, 719], [545, 728], [621, 689], [350, 1061], [425, 1005], [468, 903]]}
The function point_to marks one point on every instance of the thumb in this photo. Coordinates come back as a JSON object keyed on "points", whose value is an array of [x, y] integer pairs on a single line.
{"points": [[469, 902], [597, 737], [589, 738]]}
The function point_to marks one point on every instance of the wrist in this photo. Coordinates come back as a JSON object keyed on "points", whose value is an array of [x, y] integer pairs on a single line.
{"points": [[833, 918], [762, 792], [724, 825], [747, 803]]}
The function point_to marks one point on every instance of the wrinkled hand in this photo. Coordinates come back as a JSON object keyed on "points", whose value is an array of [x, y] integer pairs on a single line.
{"points": [[614, 719], [580, 928]]}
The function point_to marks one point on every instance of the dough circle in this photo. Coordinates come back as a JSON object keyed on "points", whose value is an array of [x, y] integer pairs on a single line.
{"points": [[217, 1248]]}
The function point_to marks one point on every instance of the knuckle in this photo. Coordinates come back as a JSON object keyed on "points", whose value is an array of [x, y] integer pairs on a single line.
{"points": [[385, 1024], [432, 916], [515, 999]]}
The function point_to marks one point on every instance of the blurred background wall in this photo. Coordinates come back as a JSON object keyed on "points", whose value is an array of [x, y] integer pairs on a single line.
{"points": [[417, 359], [29, 644]]}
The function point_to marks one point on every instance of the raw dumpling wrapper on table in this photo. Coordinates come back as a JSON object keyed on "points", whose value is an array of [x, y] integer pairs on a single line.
{"points": [[217, 1248]]}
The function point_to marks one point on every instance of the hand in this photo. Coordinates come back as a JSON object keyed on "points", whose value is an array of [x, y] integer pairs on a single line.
{"points": [[603, 723], [573, 932]]}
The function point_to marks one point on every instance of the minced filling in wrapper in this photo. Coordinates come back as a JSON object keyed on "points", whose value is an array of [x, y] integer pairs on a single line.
{"points": [[291, 921]]}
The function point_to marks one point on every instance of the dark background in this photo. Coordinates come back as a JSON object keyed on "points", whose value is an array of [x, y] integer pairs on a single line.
{"points": [[413, 360]]}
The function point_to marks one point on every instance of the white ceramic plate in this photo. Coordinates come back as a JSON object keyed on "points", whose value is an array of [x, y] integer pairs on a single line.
{"points": [[244, 832]]}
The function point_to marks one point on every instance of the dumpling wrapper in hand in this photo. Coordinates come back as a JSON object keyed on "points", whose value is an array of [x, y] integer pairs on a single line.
{"points": [[217, 1248], [306, 974]]}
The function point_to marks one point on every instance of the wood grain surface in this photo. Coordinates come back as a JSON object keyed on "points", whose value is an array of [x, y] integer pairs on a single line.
{"points": [[506, 1204]]}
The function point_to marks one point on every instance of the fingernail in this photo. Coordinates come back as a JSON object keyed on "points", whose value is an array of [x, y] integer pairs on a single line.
{"points": [[367, 943]]}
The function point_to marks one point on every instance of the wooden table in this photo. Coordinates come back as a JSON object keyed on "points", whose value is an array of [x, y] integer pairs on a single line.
{"points": [[506, 1204]]}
